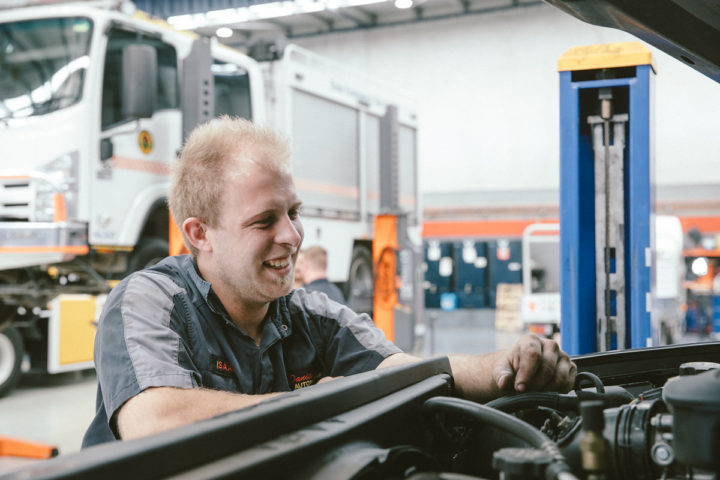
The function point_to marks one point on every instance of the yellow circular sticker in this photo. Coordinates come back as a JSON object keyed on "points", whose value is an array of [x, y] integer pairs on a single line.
{"points": [[145, 141]]}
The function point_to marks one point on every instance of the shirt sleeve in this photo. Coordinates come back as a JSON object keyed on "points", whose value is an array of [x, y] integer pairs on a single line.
{"points": [[351, 343], [137, 345]]}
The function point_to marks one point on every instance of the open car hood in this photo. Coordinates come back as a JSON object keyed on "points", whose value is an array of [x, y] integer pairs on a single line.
{"points": [[688, 30]]}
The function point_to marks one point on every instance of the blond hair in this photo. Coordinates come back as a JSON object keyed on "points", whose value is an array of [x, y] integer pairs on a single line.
{"points": [[196, 185]]}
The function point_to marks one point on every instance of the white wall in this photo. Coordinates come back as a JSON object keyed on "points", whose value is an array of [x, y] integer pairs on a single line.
{"points": [[486, 89]]}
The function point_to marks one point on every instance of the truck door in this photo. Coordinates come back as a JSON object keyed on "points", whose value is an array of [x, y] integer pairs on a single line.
{"points": [[134, 173]]}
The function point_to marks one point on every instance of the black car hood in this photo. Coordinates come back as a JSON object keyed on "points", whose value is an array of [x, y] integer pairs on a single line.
{"points": [[687, 30]]}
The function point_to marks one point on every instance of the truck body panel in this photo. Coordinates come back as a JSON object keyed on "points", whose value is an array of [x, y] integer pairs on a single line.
{"points": [[88, 136]]}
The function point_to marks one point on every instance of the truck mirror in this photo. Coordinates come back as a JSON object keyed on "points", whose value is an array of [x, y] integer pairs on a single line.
{"points": [[139, 81], [106, 149]]}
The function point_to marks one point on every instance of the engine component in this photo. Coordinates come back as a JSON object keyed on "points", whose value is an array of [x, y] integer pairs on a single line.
{"points": [[693, 401], [593, 446]]}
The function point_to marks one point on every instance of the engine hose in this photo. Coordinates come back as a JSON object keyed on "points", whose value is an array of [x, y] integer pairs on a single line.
{"points": [[506, 422], [513, 403], [597, 383], [612, 396]]}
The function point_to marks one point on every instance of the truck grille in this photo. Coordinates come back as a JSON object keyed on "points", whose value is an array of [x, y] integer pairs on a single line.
{"points": [[16, 196]]}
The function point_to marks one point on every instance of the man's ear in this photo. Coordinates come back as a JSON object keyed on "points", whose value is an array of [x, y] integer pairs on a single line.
{"points": [[196, 233]]}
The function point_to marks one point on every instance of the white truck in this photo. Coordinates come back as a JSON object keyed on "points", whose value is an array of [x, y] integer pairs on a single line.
{"points": [[667, 314], [95, 101], [540, 300]]}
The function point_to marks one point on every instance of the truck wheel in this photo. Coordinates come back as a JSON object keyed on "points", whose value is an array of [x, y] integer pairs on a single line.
{"points": [[147, 253], [359, 286], [11, 355]]}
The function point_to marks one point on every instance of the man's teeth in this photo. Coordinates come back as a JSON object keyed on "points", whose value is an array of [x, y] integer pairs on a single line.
{"points": [[278, 263]]}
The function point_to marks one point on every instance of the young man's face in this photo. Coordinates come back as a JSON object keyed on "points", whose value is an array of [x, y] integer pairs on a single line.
{"points": [[258, 237]]}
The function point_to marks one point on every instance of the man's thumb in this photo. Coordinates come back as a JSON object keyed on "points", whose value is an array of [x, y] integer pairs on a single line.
{"points": [[504, 375]]}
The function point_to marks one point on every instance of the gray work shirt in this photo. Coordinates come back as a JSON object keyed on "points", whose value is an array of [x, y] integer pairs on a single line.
{"points": [[165, 327]]}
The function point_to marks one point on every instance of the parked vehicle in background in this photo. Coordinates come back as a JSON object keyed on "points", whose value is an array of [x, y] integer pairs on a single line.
{"points": [[95, 104], [669, 294], [540, 301]]}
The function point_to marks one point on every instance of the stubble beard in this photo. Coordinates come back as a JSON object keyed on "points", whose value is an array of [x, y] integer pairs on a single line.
{"points": [[286, 282]]}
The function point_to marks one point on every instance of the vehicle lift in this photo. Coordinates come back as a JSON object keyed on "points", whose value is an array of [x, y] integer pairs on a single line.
{"points": [[606, 196], [398, 296]]}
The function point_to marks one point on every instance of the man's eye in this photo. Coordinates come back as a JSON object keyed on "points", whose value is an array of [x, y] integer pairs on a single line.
{"points": [[265, 222], [295, 213]]}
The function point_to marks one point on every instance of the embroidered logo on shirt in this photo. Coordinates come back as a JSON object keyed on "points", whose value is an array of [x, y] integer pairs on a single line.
{"points": [[305, 380], [221, 366]]}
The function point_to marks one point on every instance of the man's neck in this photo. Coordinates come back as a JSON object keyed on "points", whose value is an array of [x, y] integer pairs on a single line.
{"points": [[249, 320], [247, 317]]}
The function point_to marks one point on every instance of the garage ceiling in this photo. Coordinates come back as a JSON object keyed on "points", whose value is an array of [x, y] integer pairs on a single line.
{"points": [[251, 20]]}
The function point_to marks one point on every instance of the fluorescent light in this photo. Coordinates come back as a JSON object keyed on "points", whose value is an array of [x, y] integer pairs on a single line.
{"points": [[273, 10], [221, 14], [224, 32], [332, 4], [181, 22], [310, 7], [357, 3], [403, 4]]}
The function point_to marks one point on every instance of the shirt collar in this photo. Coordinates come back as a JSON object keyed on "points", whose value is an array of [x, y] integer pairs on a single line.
{"points": [[277, 319]]}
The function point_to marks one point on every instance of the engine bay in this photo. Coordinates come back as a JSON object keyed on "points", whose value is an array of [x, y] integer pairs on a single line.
{"points": [[635, 414]]}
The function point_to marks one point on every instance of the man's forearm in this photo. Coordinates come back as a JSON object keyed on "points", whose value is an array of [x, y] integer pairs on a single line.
{"points": [[472, 374], [162, 408]]}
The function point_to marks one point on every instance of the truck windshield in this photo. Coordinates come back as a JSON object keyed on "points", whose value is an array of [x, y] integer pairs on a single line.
{"points": [[42, 65]]}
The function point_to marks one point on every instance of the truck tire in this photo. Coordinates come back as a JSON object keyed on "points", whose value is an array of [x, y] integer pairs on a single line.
{"points": [[148, 252], [359, 287], [11, 355]]}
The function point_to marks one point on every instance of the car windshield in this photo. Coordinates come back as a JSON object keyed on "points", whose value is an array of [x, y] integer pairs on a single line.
{"points": [[42, 65]]}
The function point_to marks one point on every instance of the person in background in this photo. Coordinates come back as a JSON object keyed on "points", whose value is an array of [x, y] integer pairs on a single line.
{"points": [[311, 269], [221, 329]]}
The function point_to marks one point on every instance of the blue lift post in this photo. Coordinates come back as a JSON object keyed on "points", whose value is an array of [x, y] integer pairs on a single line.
{"points": [[606, 196]]}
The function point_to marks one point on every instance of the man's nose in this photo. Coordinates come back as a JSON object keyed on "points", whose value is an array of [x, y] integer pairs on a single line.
{"points": [[289, 232]]}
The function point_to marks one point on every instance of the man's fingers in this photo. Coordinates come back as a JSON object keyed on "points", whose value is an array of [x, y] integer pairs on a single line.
{"points": [[528, 358], [535, 364], [565, 373], [545, 375]]}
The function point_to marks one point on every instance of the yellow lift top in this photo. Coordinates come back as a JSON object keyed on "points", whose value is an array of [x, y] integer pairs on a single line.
{"points": [[607, 55]]}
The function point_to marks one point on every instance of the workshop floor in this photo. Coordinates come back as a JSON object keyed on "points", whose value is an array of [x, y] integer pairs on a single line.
{"points": [[56, 410]]}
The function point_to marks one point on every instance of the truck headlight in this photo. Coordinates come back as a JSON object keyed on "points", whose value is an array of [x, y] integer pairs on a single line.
{"points": [[56, 189]]}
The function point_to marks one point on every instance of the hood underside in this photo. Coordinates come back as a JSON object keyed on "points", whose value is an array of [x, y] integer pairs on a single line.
{"points": [[686, 30]]}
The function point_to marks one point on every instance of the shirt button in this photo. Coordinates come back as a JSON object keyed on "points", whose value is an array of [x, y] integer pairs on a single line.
{"points": [[284, 327]]}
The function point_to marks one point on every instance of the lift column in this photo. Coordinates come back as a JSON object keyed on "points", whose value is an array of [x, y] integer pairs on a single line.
{"points": [[606, 196], [397, 291]]}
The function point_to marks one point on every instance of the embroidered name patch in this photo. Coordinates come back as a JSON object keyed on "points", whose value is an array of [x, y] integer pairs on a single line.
{"points": [[304, 380], [221, 366]]}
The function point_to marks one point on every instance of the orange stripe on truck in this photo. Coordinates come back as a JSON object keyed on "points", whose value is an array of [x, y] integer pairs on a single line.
{"points": [[158, 168], [327, 188], [73, 249]]}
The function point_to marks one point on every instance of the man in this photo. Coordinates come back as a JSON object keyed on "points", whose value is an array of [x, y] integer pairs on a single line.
{"points": [[311, 269], [221, 329]]}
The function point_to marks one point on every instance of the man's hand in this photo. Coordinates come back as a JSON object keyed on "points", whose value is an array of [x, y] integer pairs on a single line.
{"points": [[534, 364]]}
